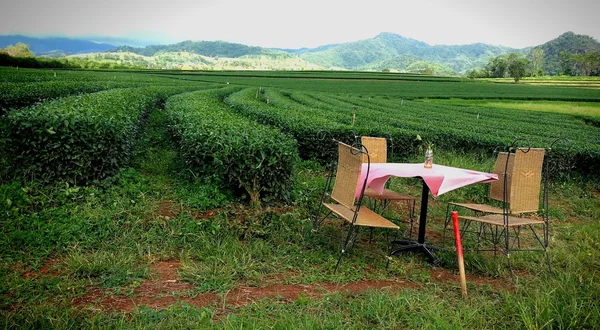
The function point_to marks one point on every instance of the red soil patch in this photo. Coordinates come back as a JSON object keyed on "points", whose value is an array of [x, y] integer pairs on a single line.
{"points": [[167, 209], [165, 289], [205, 215], [48, 269]]}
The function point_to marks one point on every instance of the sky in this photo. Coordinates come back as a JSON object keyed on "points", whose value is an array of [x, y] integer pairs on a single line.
{"points": [[306, 23]]}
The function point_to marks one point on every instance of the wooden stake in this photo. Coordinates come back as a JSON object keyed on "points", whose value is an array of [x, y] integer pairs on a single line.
{"points": [[459, 252]]}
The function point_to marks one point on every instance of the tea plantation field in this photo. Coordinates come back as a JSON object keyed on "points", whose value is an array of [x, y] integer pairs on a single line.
{"points": [[174, 199]]}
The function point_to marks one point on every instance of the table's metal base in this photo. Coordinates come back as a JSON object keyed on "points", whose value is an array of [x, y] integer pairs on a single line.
{"points": [[412, 245]]}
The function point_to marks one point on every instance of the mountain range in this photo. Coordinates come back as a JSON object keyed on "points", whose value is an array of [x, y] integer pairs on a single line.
{"points": [[55, 46], [386, 51]]}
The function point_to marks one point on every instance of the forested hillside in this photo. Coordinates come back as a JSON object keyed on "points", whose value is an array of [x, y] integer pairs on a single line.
{"points": [[558, 53], [206, 48], [54, 46], [394, 52], [569, 54]]}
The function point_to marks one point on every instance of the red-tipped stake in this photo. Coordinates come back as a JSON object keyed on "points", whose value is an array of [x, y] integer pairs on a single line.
{"points": [[459, 252]]}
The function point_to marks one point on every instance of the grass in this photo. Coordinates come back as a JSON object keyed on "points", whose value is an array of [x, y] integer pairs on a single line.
{"points": [[58, 243], [119, 235], [591, 109]]}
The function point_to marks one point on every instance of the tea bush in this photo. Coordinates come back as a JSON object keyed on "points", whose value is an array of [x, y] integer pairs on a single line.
{"points": [[79, 138], [215, 141]]}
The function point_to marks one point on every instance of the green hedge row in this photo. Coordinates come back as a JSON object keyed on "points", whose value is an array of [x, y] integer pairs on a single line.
{"points": [[215, 141], [18, 95], [312, 127], [305, 115], [26, 92], [78, 138]]}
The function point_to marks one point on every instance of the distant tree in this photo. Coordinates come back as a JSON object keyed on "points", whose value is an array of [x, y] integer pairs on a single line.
{"points": [[18, 50], [537, 61], [587, 63], [517, 66], [497, 67], [567, 65], [478, 73]]}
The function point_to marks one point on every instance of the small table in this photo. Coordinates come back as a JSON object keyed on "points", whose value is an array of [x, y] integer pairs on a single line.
{"points": [[439, 179]]}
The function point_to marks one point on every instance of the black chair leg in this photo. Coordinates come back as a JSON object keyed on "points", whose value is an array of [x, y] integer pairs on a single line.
{"points": [[346, 244], [512, 273], [548, 260], [446, 222]]}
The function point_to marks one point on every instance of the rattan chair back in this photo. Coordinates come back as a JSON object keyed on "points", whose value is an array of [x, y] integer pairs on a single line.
{"points": [[348, 173], [525, 180], [377, 148], [497, 187]]}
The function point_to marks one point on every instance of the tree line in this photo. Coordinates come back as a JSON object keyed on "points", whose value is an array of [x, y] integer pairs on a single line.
{"points": [[20, 55], [517, 66]]}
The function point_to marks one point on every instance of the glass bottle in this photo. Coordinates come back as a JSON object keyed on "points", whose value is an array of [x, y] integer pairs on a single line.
{"points": [[428, 158]]}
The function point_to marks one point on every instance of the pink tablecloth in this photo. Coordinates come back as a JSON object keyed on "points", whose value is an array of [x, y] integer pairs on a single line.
{"points": [[440, 179]]}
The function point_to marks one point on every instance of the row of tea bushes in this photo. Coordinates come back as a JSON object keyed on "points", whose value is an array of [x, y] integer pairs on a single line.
{"points": [[305, 115], [78, 138], [19, 95], [25, 75], [214, 141], [312, 127], [16, 95], [472, 128]]}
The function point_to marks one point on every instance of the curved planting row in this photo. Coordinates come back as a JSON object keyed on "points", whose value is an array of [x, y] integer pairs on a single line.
{"points": [[21, 75], [476, 127], [305, 124], [19, 95], [15, 95], [79, 138], [214, 141], [304, 115]]}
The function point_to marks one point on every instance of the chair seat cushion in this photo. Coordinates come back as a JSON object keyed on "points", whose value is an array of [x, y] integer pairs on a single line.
{"points": [[366, 217], [387, 195], [498, 220]]}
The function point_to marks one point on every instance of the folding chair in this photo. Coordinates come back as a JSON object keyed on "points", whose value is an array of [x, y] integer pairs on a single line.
{"points": [[495, 194], [377, 148], [344, 203], [520, 196]]}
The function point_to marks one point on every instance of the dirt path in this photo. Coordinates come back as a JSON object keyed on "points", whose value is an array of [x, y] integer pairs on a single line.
{"points": [[165, 289]]}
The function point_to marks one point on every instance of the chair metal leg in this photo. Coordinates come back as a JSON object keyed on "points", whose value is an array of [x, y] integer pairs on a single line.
{"points": [[411, 205], [446, 222], [389, 255], [512, 273], [548, 260], [318, 220], [346, 244]]}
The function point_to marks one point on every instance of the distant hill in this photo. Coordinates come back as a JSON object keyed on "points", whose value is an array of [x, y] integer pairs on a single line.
{"points": [[205, 48], [384, 52], [360, 54], [301, 51], [189, 61], [55, 46], [568, 42], [391, 51]]}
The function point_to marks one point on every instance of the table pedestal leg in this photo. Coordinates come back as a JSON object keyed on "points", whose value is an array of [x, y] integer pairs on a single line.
{"points": [[420, 243]]}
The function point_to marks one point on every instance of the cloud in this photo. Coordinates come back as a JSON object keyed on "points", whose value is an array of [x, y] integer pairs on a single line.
{"points": [[307, 23]]}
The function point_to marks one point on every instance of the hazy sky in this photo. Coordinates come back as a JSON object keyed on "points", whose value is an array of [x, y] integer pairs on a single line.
{"points": [[306, 23]]}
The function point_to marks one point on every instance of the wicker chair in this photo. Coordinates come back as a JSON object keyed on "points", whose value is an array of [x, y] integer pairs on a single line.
{"points": [[377, 148], [347, 206], [496, 190], [518, 188]]}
